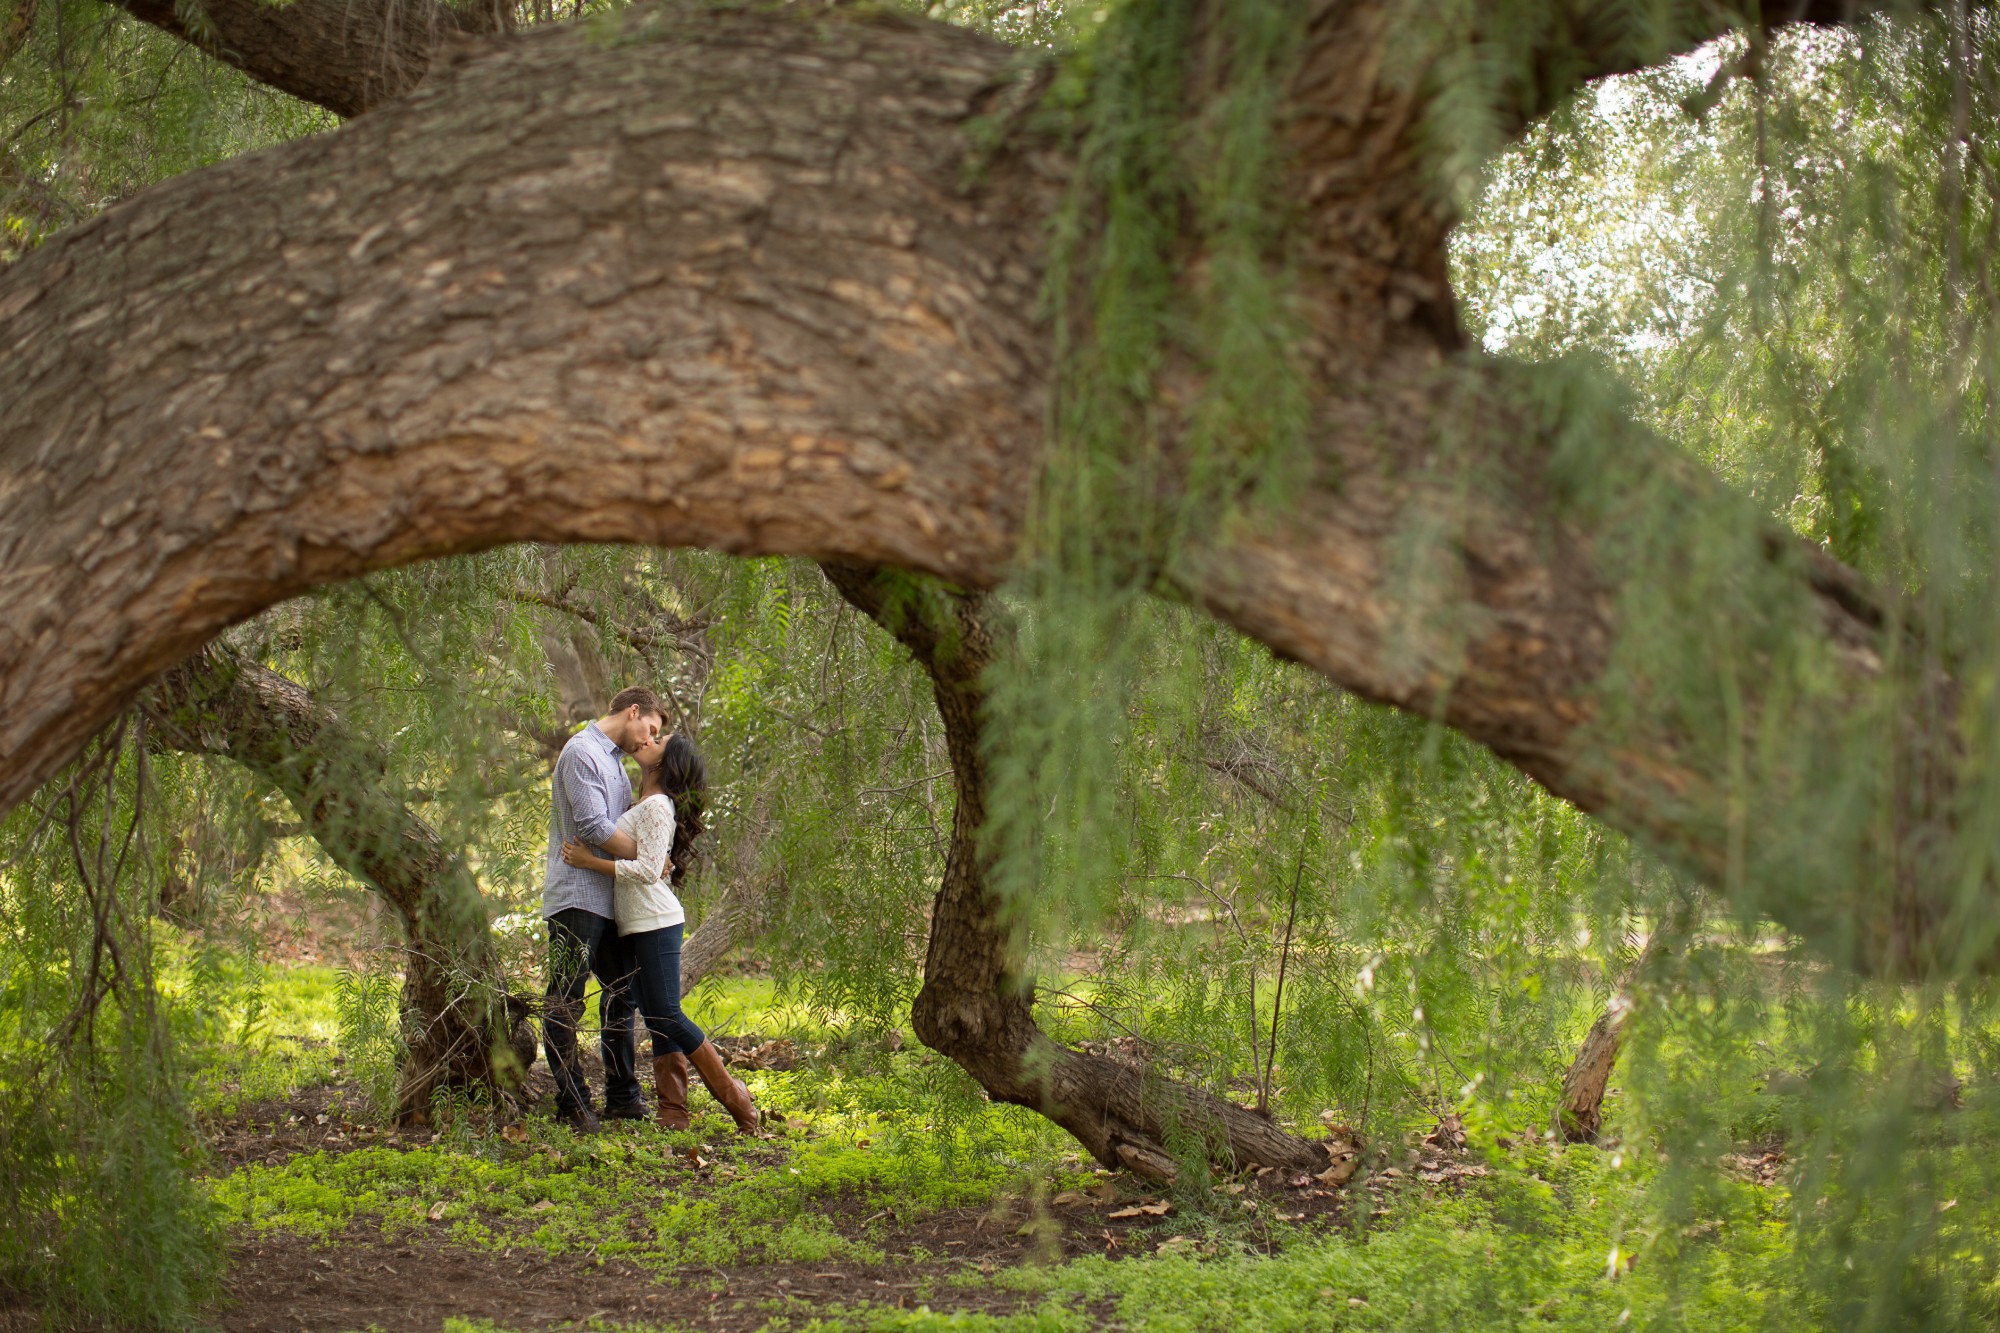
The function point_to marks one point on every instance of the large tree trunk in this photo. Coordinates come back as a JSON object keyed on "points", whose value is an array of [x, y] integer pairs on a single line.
{"points": [[458, 1018], [737, 917], [975, 1007], [646, 289]]}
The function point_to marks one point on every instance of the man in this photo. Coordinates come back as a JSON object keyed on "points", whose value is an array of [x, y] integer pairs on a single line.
{"points": [[589, 791]]}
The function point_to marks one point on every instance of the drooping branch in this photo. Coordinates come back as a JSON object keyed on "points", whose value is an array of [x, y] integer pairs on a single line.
{"points": [[456, 1010], [975, 1007]]}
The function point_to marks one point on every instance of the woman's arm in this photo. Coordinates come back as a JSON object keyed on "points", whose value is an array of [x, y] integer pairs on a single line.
{"points": [[654, 831]]}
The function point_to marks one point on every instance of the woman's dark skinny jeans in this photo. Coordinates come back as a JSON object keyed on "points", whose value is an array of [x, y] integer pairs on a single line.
{"points": [[656, 984]]}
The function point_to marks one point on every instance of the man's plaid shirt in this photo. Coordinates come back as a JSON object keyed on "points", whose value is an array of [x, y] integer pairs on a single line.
{"points": [[587, 793]]}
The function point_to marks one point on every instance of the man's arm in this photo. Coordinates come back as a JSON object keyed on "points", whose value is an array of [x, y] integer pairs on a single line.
{"points": [[590, 806], [589, 799]]}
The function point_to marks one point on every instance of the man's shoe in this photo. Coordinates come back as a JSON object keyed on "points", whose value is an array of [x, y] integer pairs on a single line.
{"points": [[627, 1111], [580, 1119]]}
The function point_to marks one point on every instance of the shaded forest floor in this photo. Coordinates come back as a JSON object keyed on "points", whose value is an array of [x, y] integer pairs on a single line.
{"points": [[880, 1254], [891, 1196]]}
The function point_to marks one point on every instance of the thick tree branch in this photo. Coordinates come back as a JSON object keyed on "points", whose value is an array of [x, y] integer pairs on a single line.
{"points": [[15, 31], [581, 289], [640, 638], [344, 55], [718, 350]]}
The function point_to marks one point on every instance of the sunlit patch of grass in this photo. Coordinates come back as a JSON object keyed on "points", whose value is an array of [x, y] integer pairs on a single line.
{"points": [[1551, 1239], [664, 1200], [1484, 1260], [262, 1033]]}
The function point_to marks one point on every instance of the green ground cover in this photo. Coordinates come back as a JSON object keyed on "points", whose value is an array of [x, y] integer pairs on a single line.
{"points": [[1549, 1238]]}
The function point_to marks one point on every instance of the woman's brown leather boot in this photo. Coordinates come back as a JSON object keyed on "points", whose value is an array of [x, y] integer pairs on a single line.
{"points": [[670, 1082], [728, 1089]]}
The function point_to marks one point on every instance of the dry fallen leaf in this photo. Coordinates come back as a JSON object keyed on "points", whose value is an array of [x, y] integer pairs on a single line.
{"points": [[1159, 1209], [1341, 1171], [1071, 1199], [1105, 1192], [514, 1134], [543, 1206], [1133, 1211], [1234, 1187], [436, 1214], [695, 1159]]}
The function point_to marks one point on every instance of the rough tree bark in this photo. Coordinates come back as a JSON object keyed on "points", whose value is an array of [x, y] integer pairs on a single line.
{"points": [[737, 917], [457, 1014], [765, 280], [974, 1006]]}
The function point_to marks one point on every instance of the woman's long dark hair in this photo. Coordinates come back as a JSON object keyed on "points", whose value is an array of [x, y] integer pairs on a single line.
{"points": [[683, 777]]}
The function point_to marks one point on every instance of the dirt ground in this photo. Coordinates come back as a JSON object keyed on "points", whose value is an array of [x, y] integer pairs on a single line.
{"points": [[360, 1280]]}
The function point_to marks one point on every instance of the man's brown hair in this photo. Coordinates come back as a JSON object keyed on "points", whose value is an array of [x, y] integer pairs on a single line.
{"points": [[649, 702]]}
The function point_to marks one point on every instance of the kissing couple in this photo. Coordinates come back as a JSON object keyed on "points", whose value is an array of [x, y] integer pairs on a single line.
{"points": [[608, 896]]}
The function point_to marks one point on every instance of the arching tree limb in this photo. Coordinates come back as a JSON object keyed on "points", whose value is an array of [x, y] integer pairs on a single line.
{"points": [[736, 918], [631, 287]]}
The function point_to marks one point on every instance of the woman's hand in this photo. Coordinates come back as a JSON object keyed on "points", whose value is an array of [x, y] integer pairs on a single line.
{"points": [[576, 854]]}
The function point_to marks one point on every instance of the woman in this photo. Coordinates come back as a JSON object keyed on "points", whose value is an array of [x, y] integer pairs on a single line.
{"points": [[664, 824]]}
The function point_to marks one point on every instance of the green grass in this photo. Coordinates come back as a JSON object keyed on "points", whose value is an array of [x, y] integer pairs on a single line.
{"points": [[1551, 1239], [638, 1195]]}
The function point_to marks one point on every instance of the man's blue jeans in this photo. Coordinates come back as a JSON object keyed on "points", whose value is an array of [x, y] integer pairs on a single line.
{"points": [[582, 943]]}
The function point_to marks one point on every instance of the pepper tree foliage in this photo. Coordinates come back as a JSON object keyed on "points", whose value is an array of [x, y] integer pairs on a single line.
{"points": [[1783, 253], [95, 107]]}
